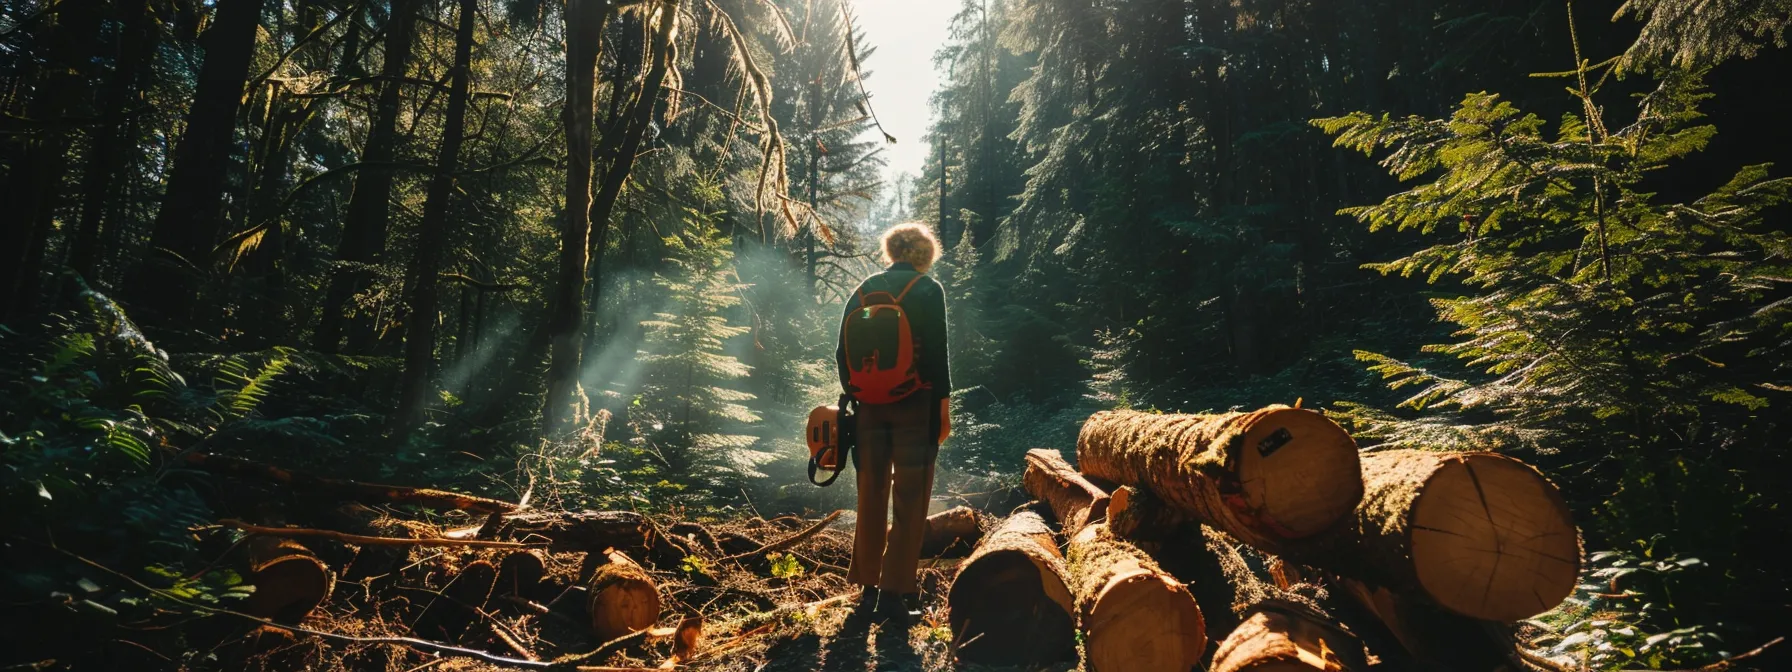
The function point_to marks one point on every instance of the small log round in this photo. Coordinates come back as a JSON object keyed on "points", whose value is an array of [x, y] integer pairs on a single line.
{"points": [[1134, 616], [520, 574], [289, 581], [952, 533], [1009, 604], [1137, 516], [623, 598], [1282, 637], [1265, 477], [449, 614]]}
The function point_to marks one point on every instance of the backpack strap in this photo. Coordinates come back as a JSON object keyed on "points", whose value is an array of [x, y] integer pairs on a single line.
{"points": [[909, 286]]}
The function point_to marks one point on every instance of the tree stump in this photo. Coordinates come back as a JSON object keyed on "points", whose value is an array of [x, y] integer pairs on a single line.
{"points": [[1010, 604], [1134, 616], [623, 598], [1265, 477]]}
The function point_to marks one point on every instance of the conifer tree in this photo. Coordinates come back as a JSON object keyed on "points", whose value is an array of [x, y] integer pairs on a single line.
{"points": [[691, 409]]}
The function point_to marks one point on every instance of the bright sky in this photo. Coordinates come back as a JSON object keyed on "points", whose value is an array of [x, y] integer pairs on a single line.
{"points": [[902, 81]]}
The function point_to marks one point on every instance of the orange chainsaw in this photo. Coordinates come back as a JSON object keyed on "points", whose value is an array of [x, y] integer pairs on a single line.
{"points": [[832, 434]]}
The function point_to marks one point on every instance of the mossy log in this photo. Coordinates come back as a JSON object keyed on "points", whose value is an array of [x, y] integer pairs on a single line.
{"points": [[1267, 477], [290, 582], [1278, 636], [1010, 604], [1479, 534], [1075, 500], [449, 614], [624, 599], [952, 533], [1133, 615]]}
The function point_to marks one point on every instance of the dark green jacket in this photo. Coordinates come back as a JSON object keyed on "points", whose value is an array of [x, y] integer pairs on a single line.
{"points": [[926, 309]]}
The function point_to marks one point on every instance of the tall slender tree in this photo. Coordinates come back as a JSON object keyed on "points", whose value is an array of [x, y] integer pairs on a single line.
{"points": [[422, 284], [363, 243], [618, 149]]}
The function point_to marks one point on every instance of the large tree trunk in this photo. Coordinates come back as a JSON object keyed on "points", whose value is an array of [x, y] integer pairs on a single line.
{"points": [[1010, 604], [1075, 500], [136, 47], [1286, 637], [1267, 477], [619, 149], [187, 225], [1134, 615], [364, 231], [1479, 534], [433, 237]]}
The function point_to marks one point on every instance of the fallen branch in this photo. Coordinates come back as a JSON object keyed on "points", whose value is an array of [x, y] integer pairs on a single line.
{"points": [[361, 540], [789, 541], [441, 499]]}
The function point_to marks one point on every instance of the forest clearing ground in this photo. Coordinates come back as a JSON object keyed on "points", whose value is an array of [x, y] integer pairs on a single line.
{"points": [[752, 619]]}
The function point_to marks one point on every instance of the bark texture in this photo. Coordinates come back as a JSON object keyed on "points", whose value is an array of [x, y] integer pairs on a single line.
{"points": [[1267, 477], [1074, 500], [1010, 604], [1133, 615]]}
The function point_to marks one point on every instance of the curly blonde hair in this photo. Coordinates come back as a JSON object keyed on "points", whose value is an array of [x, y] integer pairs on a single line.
{"points": [[912, 242]]}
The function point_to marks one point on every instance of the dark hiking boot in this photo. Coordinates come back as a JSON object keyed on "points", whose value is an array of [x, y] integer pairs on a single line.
{"points": [[866, 607]]}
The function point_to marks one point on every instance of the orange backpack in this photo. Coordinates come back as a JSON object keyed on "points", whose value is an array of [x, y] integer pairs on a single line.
{"points": [[880, 348]]}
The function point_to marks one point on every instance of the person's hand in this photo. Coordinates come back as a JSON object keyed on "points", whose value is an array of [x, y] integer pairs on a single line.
{"points": [[945, 419]]}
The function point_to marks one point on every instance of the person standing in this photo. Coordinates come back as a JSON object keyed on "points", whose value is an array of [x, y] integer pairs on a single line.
{"points": [[903, 414]]}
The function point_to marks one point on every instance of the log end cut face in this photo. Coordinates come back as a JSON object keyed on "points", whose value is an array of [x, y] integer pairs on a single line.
{"points": [[1271, 640], [288, 588], [623, 600], [1144, 622], [1007, 609], [1493, 539], [1300, 469]]}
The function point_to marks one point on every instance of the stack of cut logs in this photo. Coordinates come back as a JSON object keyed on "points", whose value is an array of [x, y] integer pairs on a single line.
{"points": [[1428, 556]]}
